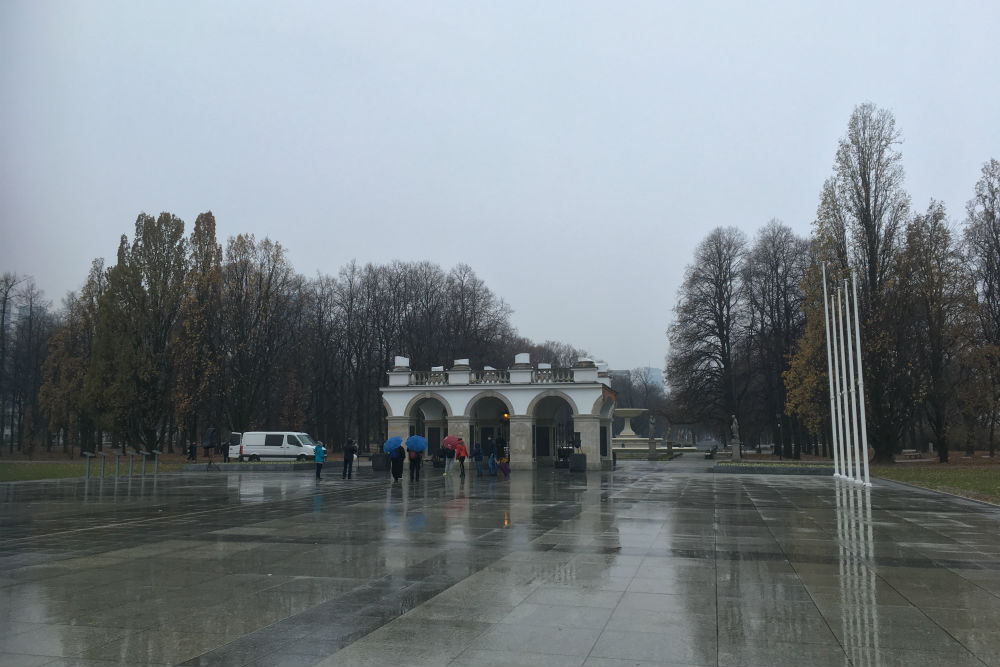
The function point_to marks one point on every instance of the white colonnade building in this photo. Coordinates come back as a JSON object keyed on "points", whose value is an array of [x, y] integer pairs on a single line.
{"points": [[534, 409]]}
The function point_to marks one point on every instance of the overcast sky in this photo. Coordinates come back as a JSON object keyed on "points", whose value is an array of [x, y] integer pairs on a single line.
{"points": [[573, 154]]}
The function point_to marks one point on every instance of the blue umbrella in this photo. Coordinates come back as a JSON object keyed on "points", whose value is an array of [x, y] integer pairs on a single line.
{"points": [[416, 443], [392, 443]]}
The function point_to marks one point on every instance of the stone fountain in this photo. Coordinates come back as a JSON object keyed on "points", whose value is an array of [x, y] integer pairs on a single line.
{"points": [[630, 442], [628, 438]]}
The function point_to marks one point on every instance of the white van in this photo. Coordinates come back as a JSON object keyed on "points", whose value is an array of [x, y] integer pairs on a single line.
{"points": [[275, 445]]}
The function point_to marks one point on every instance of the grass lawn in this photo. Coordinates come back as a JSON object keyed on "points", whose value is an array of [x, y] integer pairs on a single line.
{"points": [[981, 482], [791, 463], [20, 471]]}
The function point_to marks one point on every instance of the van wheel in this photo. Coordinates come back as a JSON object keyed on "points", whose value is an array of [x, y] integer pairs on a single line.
{"points": [[254, 458], [302, 457]]}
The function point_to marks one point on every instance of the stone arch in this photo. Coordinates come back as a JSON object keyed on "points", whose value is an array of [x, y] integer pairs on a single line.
{"points": [[489, 393], [388, 408], [603, 406], [408, 412], [552, 392]]}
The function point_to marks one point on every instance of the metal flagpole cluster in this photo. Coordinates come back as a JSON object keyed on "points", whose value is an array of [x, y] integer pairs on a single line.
{"points": [[847, 385]]}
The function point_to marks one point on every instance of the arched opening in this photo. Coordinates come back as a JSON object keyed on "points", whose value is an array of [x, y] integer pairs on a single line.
{"points": [[605, 408], [552, 428], [429, 418], [489, 417]]}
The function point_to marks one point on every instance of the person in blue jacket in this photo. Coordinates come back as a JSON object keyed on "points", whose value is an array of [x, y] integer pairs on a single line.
{"points": [[320, 454]]}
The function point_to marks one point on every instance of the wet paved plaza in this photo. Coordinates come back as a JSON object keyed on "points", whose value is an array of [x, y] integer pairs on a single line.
{"points": [[653, 564]]}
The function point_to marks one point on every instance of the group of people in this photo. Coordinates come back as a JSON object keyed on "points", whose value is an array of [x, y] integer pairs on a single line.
{"points": [[350, 454], [448, 457], [400, 454], [490, 454]]}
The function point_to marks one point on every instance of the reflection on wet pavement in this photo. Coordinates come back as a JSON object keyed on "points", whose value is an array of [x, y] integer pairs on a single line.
{"points": [[658, 564]]}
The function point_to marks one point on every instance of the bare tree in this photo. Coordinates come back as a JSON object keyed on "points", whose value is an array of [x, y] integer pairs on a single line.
{"points": [[257, 288], [709, 328], [775, 268], [982, 243], [33, 327], [69, 357], [8, 284]]}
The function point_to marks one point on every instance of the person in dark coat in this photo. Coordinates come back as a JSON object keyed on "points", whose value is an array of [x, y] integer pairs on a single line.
{"points": [[397, 456], [210, 442], [477, 456], [416, 460], [350, 449]]}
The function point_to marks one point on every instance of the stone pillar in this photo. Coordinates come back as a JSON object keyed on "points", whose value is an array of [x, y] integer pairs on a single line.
{"points": [[460, 426], [398, 426], [521, 456], [589, 427], [606, 461]]}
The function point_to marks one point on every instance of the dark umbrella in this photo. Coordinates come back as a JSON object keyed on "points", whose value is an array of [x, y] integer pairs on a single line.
{"points": [[416, 443], [392, 443], [450, 441]]}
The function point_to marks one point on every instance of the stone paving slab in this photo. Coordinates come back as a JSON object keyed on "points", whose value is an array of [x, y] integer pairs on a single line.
{"points": [[659, 564]]}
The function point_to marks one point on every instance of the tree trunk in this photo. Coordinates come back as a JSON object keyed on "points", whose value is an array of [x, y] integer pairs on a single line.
{"points": [[943, 451], [993, 423]]}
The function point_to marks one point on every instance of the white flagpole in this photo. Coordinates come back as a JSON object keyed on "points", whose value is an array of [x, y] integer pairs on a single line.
{"points": [[852, 413], [836, 367], [861, 381], [829, 373], [848, 444]]}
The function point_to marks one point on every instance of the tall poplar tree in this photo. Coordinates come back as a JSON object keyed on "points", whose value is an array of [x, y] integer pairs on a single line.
{"points": [[861, 215], [198, 387], [131, 377]]}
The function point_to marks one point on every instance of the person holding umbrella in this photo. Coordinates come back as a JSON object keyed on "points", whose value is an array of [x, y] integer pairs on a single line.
{"points": [[449, 443], [390, 447], [397, 456], [394, 448], [461, 453], [417, 445]]}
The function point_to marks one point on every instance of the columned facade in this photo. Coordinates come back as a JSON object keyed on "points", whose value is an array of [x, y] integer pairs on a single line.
{"points": [[535, 410]]}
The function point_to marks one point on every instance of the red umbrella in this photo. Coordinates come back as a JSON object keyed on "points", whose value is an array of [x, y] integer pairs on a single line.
{"points": [[450, 441]]}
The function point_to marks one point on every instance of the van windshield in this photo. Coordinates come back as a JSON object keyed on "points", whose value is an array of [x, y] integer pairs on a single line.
{"points": [[306, 440]]}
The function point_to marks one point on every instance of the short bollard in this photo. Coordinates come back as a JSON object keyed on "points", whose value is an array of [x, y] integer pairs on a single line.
{"points": [[131, 458], [104, 457], [117, 457], [89, 456], [144, 455], [156, 461]]}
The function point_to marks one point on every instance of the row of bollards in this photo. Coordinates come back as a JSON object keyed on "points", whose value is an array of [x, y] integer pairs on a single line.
{"points": [[131, 459]]}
